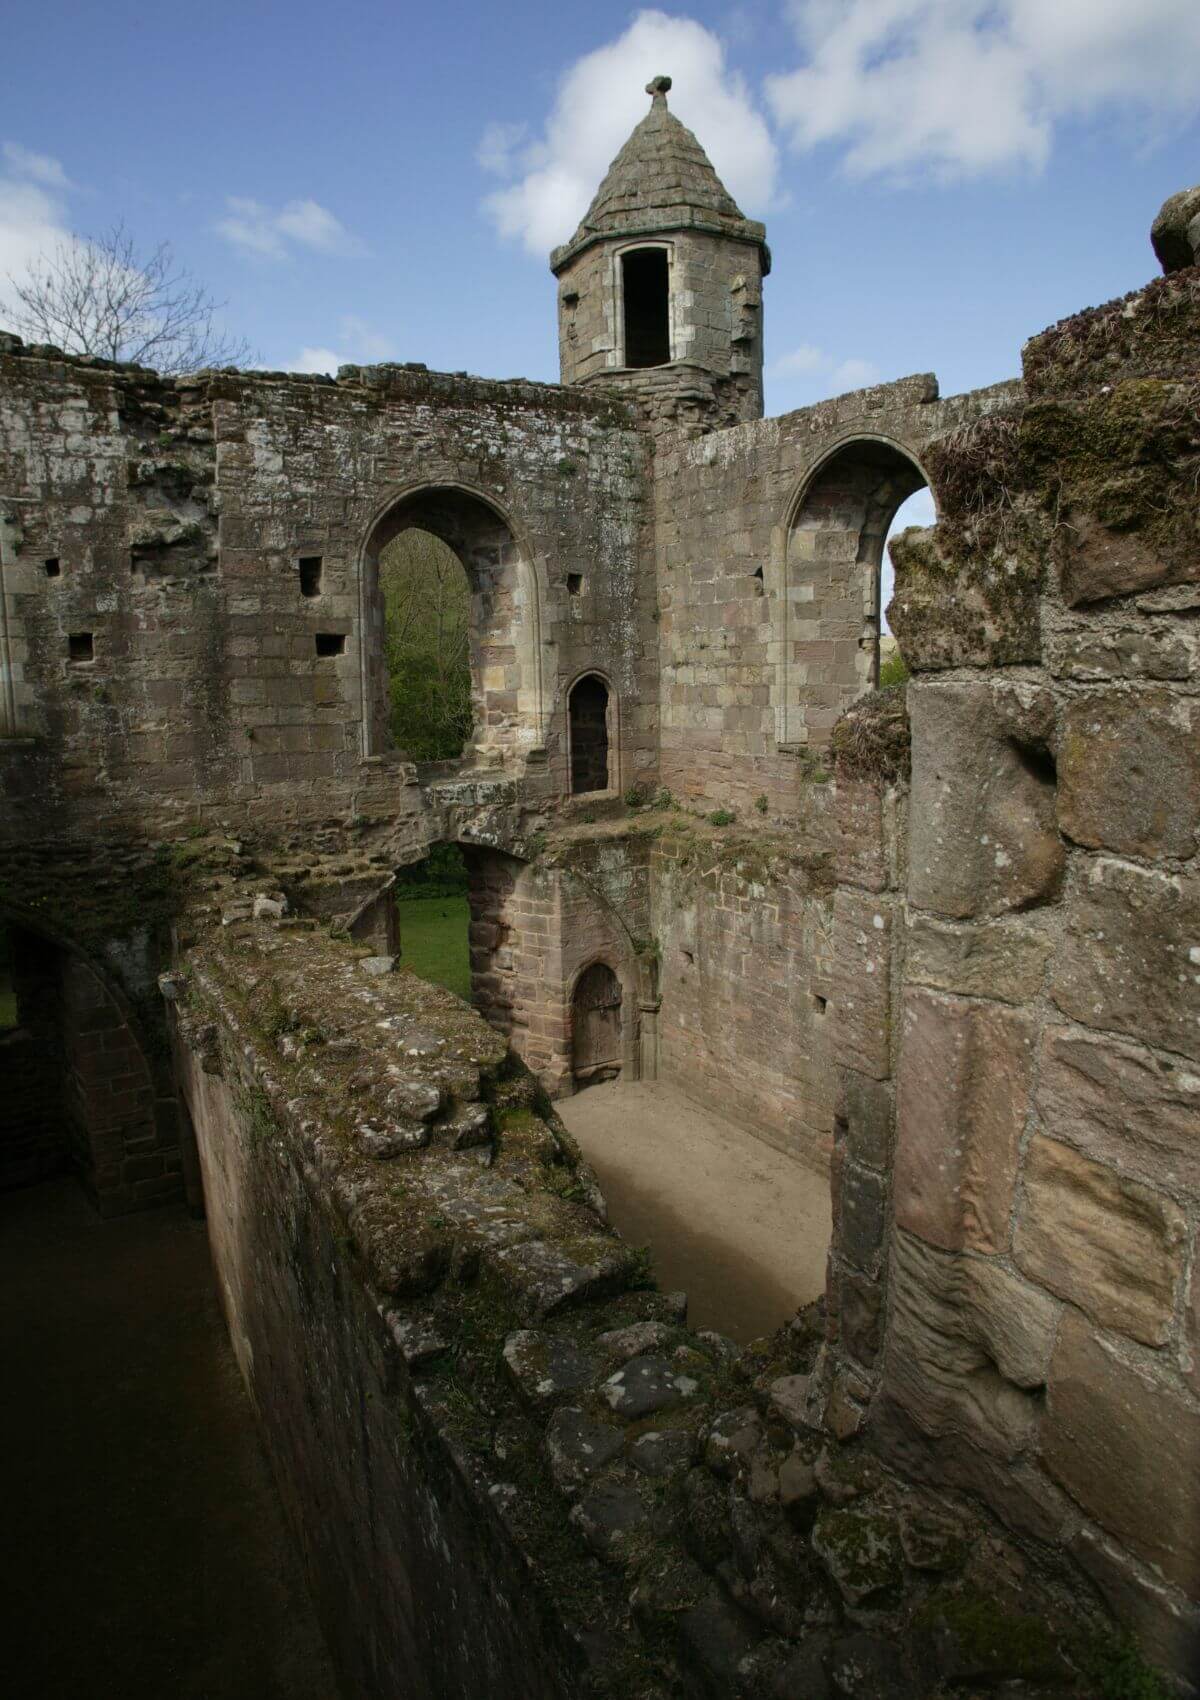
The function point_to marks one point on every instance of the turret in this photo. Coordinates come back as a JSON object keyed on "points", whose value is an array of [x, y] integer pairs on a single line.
{"points": [[660, 288]]}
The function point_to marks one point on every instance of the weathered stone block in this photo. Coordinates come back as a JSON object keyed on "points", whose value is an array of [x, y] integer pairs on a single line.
{"points": [[1001, 959], [1167, 1626], [859, 1221], [1127, 1449], [967, 1345], [864, 1112], [1129, 772], [1110, 1245], [1130, 958], [982, 832], [1122, 1104], [862, 928], [859, 840], [963, 1095]]}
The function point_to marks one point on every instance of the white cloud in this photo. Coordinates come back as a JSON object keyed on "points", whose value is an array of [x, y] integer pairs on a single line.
{"points": [[816, 373], [40, 168], [600, 99], [966, 86], [259, 230], [32, 216], [360, 345]]}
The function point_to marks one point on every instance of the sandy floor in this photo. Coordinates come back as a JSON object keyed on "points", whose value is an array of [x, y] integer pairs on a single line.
{"points": [[739, 1226], [144, 1551]]}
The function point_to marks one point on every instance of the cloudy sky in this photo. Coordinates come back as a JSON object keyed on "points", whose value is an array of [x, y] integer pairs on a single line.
{"points": [[370, 181]]}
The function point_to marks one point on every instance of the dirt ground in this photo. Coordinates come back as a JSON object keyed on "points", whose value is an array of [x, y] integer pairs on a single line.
{"points": [[144, 1551], [740, 1227]]}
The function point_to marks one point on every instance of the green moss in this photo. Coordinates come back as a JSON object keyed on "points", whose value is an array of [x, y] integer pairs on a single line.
{"points": [[991, 1640]]}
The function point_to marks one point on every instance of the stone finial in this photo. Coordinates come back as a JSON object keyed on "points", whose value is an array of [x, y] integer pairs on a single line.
{"points": [[657, 87], [1175, 233]]}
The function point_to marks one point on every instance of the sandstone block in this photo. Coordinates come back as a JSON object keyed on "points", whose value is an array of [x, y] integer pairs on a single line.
{"points": [[1110, 1245], [1128, 1450], [1130, 959], [998, 959], [963, 1095], [983, 836], [1122, 1104], [967, 1345], [859, 1217], [858, 830], [1167, 1625], [1129, 772], [864, 1112], [862, 931]]}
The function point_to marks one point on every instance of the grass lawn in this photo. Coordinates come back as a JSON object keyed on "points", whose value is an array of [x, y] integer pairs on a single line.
{"points": [[433, 941]]}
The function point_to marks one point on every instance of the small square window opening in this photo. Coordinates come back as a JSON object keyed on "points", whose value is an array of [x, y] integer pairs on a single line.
{"points": [[331, 643], [53, 566], [310, 575], [574, 584], [80, 648]]}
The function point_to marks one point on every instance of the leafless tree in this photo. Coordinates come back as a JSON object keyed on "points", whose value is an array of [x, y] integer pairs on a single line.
{"points": [[99, 296]]}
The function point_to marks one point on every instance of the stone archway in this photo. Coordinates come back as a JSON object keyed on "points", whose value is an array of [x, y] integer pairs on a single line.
{"points": [[505, 643], [590, 735], [82, 1090], [830, 610]]}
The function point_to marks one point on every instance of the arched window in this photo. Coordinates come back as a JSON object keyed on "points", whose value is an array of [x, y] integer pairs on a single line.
{"points": [[588, 714], [833, 607], [596, 1026], [449, 598], [646, 294]]}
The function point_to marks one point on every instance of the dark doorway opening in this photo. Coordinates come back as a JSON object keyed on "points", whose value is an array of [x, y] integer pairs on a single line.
{"points": [[646, 289], [588, 716], [434, 920], [596, 1026]]}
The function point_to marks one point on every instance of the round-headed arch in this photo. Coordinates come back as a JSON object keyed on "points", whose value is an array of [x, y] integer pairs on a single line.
{"points": [[832, 542], [506, 602]]}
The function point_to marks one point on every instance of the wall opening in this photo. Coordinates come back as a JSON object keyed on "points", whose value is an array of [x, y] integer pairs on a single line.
{"points": [[434, 920], [427, 634], [589, 712], [475, 574], [646, 293], [309, 568], [833, 612], [596, 1026], [80, 648]]}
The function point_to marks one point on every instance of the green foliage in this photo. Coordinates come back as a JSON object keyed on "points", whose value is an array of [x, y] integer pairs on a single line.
{"points": [[761, 804], [440, 874], [722, 817], [427, 609], [636, 796], [893, 671], [1119, 1672]]}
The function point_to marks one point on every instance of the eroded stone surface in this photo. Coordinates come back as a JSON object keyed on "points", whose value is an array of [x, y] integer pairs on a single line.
{"points": [[1129, 773], [1109, 1244]]}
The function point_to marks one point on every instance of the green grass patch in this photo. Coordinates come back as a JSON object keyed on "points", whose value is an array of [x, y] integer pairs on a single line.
{"points": [[433, 941]]}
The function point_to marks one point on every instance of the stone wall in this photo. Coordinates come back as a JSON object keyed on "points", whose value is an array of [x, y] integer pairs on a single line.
{"points": [[768, 582], [168, 659], [509, 1465], [1033, 984], [741, 919]]}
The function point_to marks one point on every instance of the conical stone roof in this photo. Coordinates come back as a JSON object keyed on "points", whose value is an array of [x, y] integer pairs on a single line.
{"points": [[662, 179]]}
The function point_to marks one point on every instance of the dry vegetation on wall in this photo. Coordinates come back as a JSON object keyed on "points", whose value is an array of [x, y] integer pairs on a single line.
{"points": [[872, 740]]}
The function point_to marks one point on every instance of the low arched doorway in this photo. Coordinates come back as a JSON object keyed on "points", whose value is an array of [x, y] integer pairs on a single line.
{"points": [[596, 1026], [589, 714]]}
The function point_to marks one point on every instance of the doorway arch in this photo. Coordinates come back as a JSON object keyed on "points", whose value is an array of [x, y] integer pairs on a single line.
{"points": [[833, 542], [597, 1037], [505, 619]]}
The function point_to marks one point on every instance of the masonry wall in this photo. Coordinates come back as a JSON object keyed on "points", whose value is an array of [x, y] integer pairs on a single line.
{"points": [[165, 661], [1018, 1282], [745, 985], [761, 623]]}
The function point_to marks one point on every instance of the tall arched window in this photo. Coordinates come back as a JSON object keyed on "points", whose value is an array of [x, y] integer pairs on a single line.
{"points": [[588, 716]]}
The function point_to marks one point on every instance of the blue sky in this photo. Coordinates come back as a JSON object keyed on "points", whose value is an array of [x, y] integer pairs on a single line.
{"points": [[939, 178]]}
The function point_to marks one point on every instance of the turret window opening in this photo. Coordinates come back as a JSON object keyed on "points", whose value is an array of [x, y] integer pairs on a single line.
{"points": [[646, 293]]}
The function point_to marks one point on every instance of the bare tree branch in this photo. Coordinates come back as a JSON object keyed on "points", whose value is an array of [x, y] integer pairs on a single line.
{"points": [[98, 296]]}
